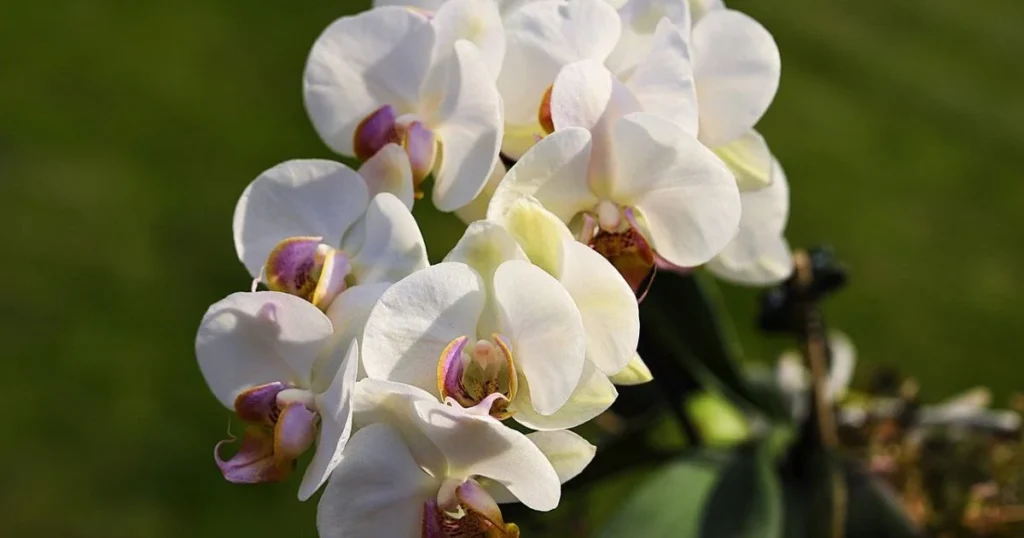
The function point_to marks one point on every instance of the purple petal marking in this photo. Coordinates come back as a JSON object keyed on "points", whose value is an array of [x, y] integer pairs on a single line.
{"points": [[450, 368], [294, 433], [588, 229], [258, 405], [475, 499], [332, 279], [421, 146], [294, 266], [254, 463], [432, 521], [374, 132]]}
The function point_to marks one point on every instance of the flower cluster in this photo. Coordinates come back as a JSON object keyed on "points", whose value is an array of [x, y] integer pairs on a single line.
{"points": [[629, 131]]}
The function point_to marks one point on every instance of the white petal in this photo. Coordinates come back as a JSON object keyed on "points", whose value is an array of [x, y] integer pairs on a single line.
{"points": [[348, 314], [297, 198], [362, 62], [543, 37], [749, 159], [249, 339], [699, 8], [390, 246], [377, 490], [476, 21], [586, 94], [663, 82], [389, 171], [759, 254], [544, 329], [607, 305], [593, 395], [640, 19], [737, 66], [477, 209], [554, 172], [469, 127], [568, 452], [539, 232], [478, 445], [685, 194], [484, 247], [335, 408], [416, 318], [635, 373]]}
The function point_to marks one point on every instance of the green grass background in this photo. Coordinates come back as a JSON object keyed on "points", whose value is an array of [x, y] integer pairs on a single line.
{"points": [[128, 129]]}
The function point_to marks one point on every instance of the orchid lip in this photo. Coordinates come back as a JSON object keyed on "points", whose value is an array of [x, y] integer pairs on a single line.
{"points": [[374, 132], [463, 508], [281, 423], [420, 145], [627, 250], [472, 376], [307, 268], [258, 405]]}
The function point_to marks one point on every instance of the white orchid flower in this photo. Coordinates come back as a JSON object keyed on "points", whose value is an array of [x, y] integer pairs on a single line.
{"points": [[500, 325], [395, 75], [310, 228], [735, 74], [542, 38], [417, 467], [546, 36], [759, 255], [627, 180], [606, 303], [274, 360]]}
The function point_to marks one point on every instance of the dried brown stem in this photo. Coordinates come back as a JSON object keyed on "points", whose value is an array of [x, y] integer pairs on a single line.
{"points": [[815, 352]]}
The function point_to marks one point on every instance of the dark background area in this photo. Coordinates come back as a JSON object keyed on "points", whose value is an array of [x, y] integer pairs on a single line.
{"points": [[128, 129]]}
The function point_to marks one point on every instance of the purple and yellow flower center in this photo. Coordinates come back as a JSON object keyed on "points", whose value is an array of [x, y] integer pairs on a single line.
{"points": [[464, 509], [281, 424], [469, 374], [307, 268], [384, 126]]}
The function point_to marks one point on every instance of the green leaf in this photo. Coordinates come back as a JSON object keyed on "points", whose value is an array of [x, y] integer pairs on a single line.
{"points": [[874, 510], [732, 494]]}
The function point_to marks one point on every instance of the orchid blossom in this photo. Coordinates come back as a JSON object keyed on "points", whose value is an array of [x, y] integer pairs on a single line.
{"points": [[272, 358], [468, 330], [392, 75], [419, 467], [310, 228], [607, 305], [629, 182]]}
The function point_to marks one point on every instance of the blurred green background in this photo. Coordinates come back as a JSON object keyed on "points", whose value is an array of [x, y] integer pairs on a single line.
{"points": [[128, 129]]}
